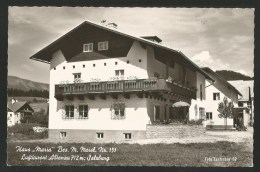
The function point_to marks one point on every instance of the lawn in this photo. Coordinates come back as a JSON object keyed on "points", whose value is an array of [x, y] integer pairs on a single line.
{"points": [[193, 154]]}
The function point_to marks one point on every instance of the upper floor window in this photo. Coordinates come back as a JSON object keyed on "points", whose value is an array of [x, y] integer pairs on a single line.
{"points": [[209, 115], [118, 111], [88, 47], [83, 111], [216, 96], [69, 111], [103, 46], [77, 77], [120, 74]]}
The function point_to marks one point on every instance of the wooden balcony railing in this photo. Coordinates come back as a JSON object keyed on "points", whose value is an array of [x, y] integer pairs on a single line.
{"points": [[123, 86]]}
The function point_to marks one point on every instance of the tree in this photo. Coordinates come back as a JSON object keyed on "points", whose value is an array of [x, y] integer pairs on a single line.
{"points": [[225, 109]]}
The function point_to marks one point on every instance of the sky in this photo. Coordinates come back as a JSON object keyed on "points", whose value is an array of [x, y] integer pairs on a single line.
{"points": [[222, 39]]}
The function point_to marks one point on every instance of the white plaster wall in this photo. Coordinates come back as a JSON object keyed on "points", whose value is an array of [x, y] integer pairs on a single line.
{"points": [[100, 115], [10, 119], [212, 105], [136, 118], [200, 79]]}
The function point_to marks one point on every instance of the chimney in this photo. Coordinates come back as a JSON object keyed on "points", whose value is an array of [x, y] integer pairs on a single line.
{"points": [[152, 38], [14, 100], [112, 25]]}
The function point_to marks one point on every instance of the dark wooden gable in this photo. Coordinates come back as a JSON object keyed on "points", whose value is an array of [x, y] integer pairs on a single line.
{"points": [[118, 45], [24, 107]]}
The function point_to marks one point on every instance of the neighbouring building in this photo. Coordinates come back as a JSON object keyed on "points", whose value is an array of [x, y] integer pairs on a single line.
{"points": [[247, 99], [215, 92], [108, 85], [16, 111]]}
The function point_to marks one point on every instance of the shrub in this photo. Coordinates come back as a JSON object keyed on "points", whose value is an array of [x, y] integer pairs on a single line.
{"points": [[26, 129], [196, 122], [39, 118]]}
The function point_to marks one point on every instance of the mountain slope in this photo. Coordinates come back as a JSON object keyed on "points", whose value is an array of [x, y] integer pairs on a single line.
{"points": [[231, 75], [25, 84]]}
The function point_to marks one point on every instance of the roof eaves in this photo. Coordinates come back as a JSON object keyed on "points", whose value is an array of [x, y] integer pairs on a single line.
{"points": [[220, 77]]}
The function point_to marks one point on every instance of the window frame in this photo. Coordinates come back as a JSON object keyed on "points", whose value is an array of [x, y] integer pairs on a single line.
{"points": [[215, 97], [83, 111], [63, 135], [102, 46], [120, 109], [70, 114], [209, 116], [128, 136], [100, 135], [87, 49]]}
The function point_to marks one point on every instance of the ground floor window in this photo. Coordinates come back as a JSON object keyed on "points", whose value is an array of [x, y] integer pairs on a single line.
{"points": [[202, 113], [100, 135], [128, 135], [83, 111], [209, 115], [69, 111], [118, 111], [63, 135]]}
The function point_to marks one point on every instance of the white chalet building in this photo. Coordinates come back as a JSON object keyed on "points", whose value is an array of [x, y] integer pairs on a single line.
{"points": [[108, 85], [215, 93]]}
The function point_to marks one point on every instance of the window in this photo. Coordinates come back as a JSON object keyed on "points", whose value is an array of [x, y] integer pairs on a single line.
{"points": [[157, 75], [103, 46], [115, 63], [54, 68], [118, 111], [100, 135], [127, 61], [63, 135], [105, 64], [73, 66], [120, 74], [127, 135], [94, 65], [209, 115], [88, 47], [240, 104], [83, 66], [64, 67], [69, 111], [77, 77], [201, 113], [140, 60], [201, 92], [10, 115], [216, 96], [83, 111]]}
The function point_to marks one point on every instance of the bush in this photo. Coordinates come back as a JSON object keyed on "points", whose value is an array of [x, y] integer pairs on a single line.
{"points": [[196, 122], [40, 118], [26, 129]]}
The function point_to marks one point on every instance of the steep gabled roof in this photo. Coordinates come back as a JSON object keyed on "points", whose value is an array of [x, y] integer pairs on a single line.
{"points": [[16, 106], [211, 72], [41, 55]]}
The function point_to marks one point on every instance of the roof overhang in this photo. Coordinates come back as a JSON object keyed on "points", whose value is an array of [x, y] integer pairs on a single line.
{"points": [[44, 55]]}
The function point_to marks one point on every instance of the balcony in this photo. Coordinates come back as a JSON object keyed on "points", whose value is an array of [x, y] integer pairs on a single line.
{"points": [[123, 86]]}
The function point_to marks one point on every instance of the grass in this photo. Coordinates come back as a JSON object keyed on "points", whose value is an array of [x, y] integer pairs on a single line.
{"points": [[193, 154]]}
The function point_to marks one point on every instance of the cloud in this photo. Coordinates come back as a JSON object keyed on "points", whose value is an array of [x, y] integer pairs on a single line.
{"points": [[204, 59], [220, 38]]}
